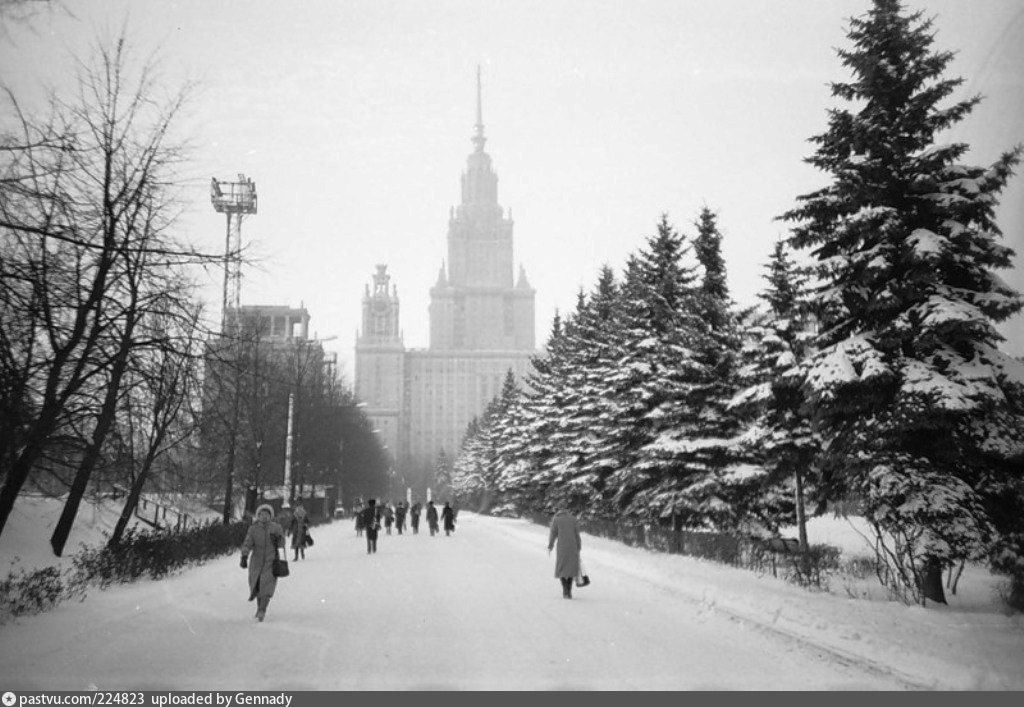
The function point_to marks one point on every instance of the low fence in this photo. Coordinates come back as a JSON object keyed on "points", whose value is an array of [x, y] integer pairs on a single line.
{"points": [[725, 548], [807, 568]]}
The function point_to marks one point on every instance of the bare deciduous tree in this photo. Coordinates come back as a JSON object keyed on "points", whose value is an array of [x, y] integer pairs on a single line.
{"points": [[87, 255]]}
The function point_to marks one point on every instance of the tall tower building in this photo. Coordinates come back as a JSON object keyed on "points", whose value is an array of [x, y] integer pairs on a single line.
{"points": [[475, 306], [481, 326]]}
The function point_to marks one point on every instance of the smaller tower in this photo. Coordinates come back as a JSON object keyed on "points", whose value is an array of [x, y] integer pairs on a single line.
{"points": [[380, 311], [380, 357]]}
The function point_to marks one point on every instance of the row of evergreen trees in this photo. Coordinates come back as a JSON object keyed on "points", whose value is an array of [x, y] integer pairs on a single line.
{"points": [[871, 374]]}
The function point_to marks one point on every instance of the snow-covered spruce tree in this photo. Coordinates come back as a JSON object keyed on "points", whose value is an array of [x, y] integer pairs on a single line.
{"points": [[502, 427], [658, 371], [567, 404], [476, 472], [923, 414], [467, 474], [593, 437], [777, 434], [442, 478], [714, 301], [524, 476], [693, 451], [512, 478]]}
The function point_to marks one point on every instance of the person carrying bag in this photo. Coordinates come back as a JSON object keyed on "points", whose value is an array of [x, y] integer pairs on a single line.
{"points": [[263, 541], [565, 532]]}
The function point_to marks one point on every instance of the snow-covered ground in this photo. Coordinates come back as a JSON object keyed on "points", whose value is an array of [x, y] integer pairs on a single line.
{"points": [[481, 610], [25, 542]]}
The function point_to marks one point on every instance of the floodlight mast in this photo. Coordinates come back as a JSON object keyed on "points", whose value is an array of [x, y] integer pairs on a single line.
{"points": [[235, 199]]}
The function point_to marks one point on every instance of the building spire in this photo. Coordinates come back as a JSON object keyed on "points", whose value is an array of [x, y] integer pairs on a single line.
{"points": [[479, 138]]}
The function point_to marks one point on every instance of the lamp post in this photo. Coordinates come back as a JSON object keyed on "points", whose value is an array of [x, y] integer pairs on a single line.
{"points": [[288, 454]]}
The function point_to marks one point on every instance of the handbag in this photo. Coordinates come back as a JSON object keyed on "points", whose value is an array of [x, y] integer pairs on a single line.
{"points": [[279, 567], [582, 578], [309, 539]]}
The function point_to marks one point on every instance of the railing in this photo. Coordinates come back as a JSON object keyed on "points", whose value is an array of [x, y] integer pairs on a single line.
{"points": [[155, 513], [808, 568]]}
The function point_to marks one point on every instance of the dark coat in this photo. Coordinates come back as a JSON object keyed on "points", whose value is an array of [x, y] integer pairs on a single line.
{"points": [[565, 529], [260, 545], [371, 520], [298, 528], [449, 518], [432, 516]]}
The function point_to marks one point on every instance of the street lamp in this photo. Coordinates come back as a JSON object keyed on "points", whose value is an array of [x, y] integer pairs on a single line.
{"points": [[288, 454]]}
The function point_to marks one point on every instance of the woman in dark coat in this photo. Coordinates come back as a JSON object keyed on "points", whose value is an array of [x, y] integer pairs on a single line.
{"points": [[431, 517], [565, 530], [298, 528], [448, 516], [414, 517], [259, 549]]}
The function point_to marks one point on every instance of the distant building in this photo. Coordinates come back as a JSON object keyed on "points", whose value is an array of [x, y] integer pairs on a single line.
{"points": [[264, 355], [481, 325]]}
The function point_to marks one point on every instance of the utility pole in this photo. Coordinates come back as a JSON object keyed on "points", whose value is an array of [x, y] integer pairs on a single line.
{"points": [[235, 200]]}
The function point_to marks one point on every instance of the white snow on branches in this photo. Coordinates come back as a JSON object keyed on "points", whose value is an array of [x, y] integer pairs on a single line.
{"points": [[921, 381], [937, 311], [926, 244], [850, 361]]}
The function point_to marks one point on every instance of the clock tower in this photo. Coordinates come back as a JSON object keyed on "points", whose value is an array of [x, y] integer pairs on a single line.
{"points": [[380, 358]]}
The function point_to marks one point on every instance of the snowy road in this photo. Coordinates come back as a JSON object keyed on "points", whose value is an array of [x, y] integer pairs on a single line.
{"points": [[477, 610]]}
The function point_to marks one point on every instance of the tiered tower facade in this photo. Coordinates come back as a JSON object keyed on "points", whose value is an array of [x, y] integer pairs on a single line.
{"points": [[481, 326]]}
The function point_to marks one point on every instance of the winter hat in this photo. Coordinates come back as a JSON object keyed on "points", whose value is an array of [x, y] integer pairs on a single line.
{"points": [[265, 507]]}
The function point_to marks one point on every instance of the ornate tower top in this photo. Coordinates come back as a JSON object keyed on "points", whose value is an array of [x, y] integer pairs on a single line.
{"points": [[380, 280], [380, 312]]}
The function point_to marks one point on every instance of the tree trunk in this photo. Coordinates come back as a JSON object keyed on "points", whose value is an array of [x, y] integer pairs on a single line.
{"points": [[801, 515], [133, 497], [92, 453], [931, 581], [13, 482]]}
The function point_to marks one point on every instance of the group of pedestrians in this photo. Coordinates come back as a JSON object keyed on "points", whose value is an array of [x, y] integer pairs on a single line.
{"points": [[265, 538], [373, 516]]}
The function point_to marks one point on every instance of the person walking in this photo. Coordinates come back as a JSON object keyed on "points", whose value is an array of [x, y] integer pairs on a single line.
{"points": [[371, 524], [400, 511], [431, 517], [298, 528], [389, 517], [448, 516], [262, 541], [565, 530], [414, 517]]}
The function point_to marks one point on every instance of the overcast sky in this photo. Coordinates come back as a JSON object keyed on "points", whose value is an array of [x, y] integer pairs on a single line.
{"points": [[354, 120]]}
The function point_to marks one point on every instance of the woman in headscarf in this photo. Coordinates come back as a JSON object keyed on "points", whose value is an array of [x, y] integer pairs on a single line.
{"points": [[259, 549], [298, 528], [565, 530]]}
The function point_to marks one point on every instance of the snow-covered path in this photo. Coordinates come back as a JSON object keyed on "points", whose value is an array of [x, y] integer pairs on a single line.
{"points": [[477, 610]]}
